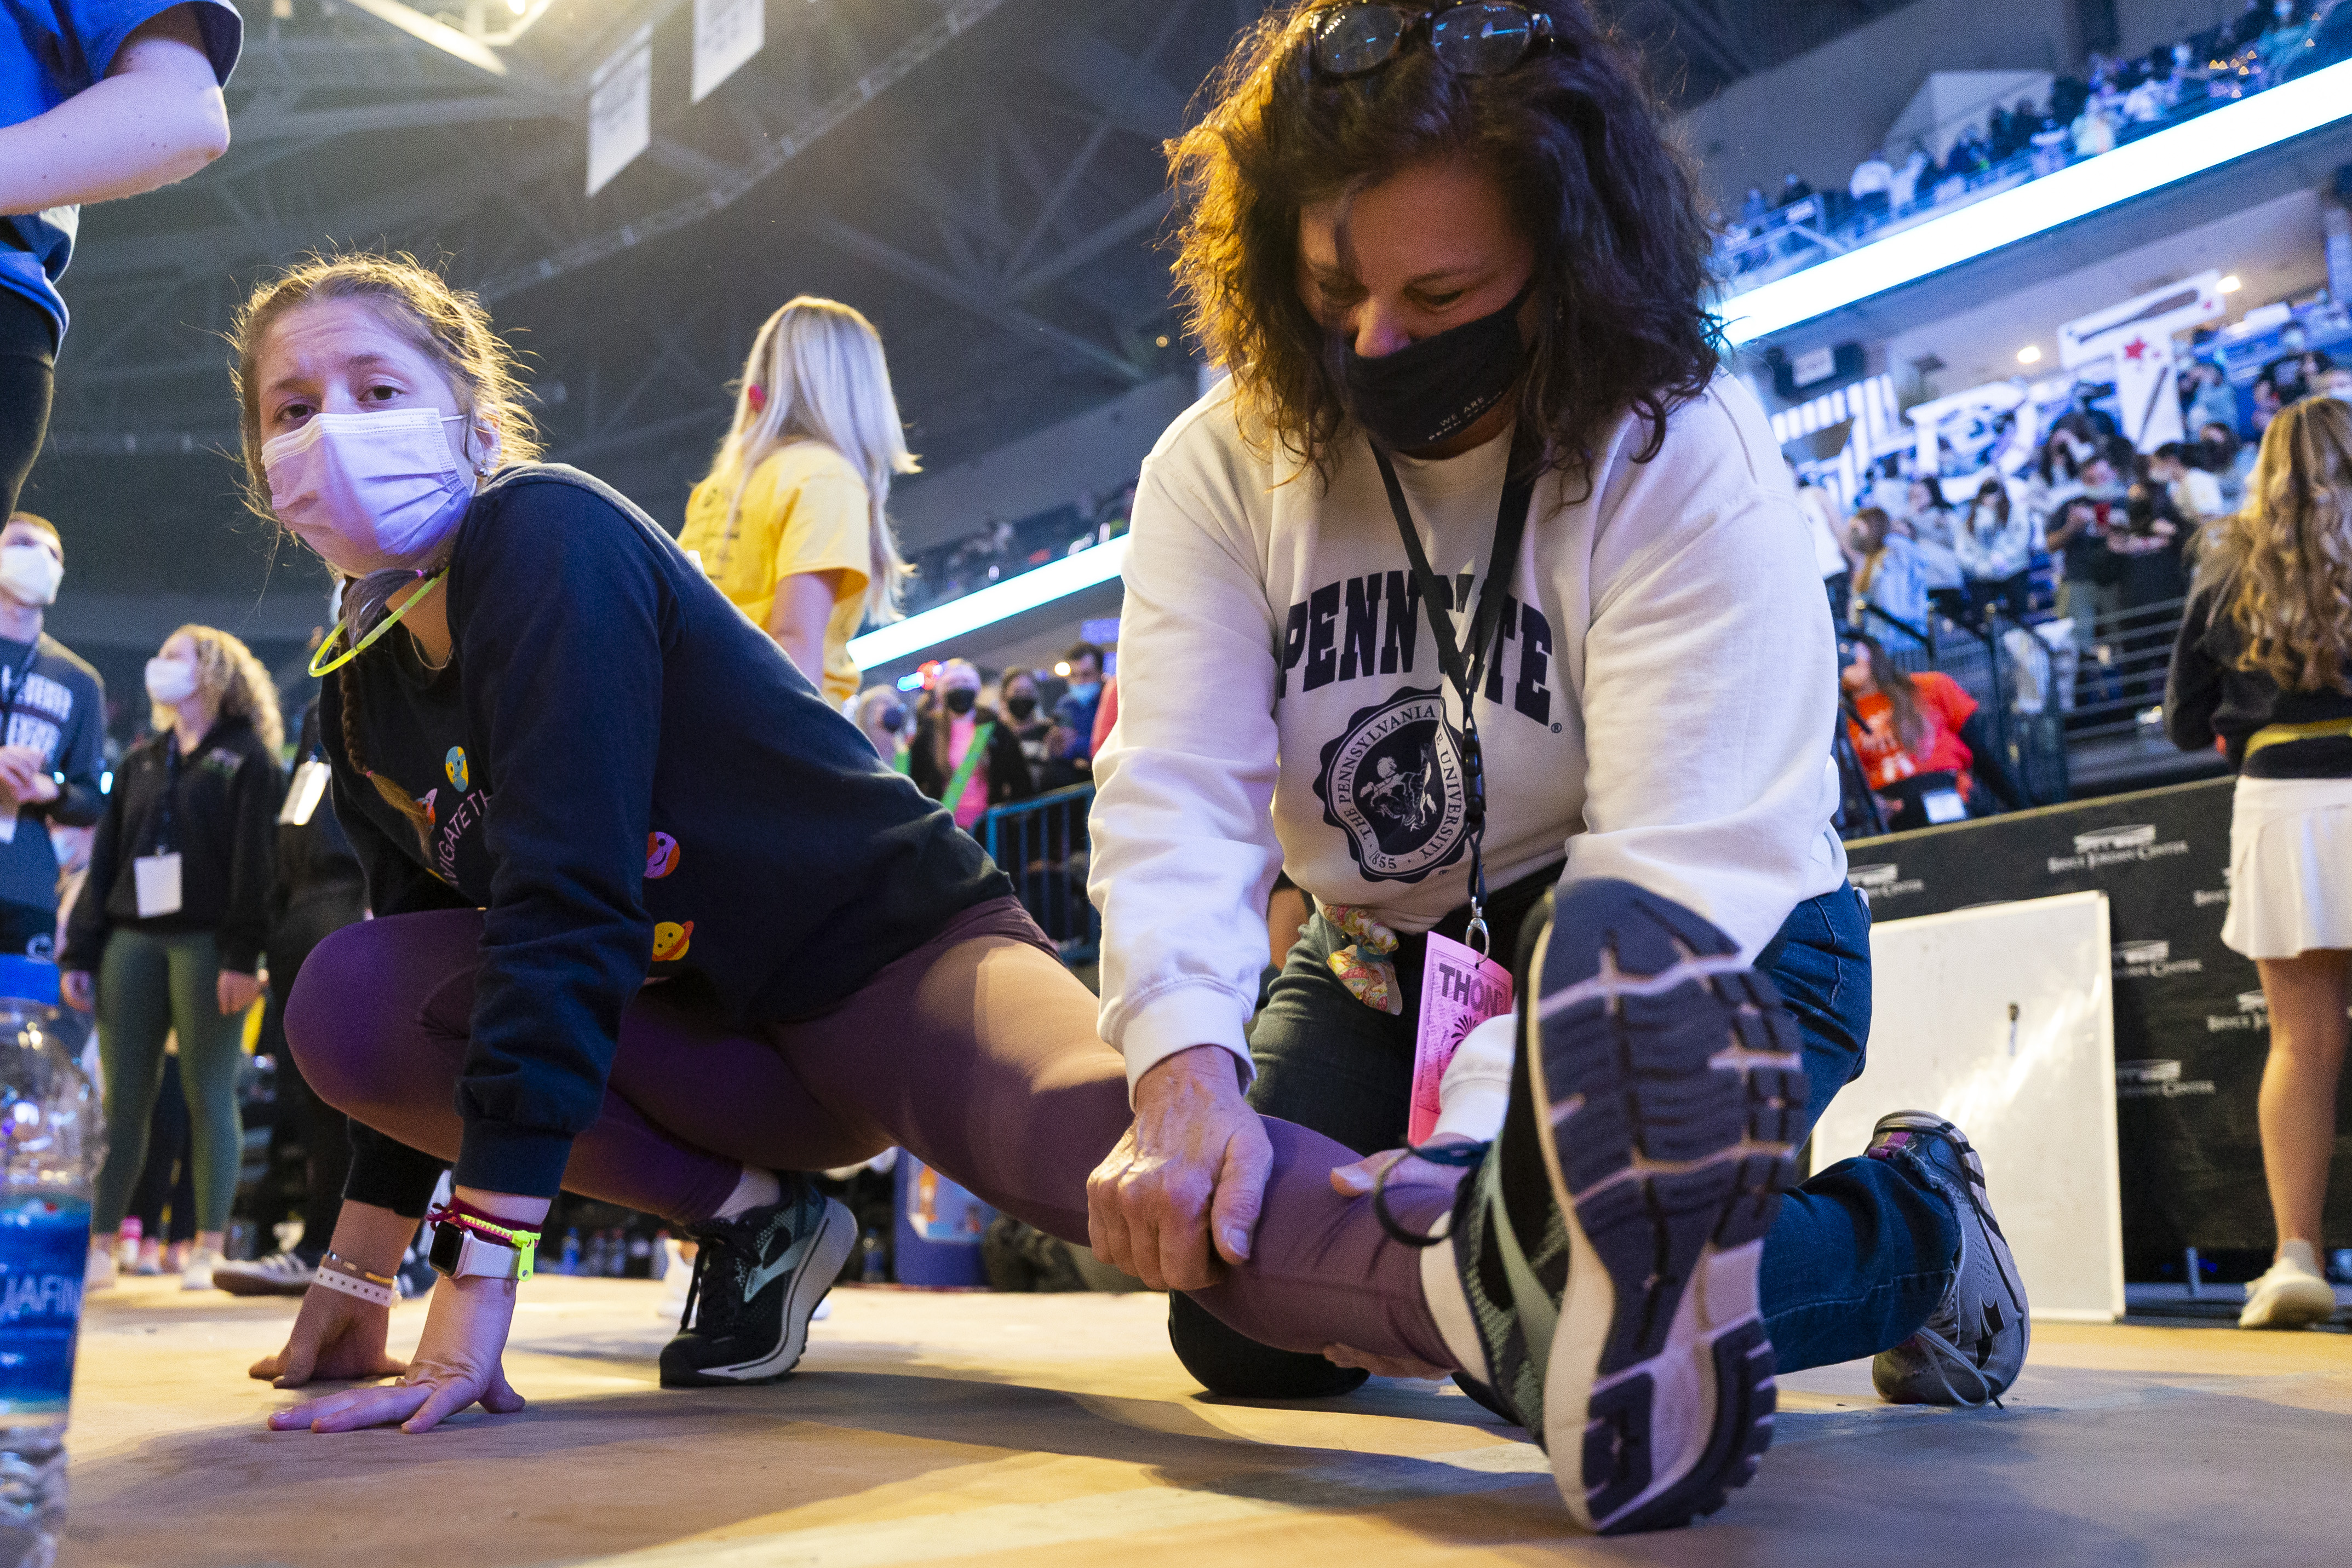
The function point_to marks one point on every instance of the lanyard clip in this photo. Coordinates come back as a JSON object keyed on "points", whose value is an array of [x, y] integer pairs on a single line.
{"points": [[1474, 934]]}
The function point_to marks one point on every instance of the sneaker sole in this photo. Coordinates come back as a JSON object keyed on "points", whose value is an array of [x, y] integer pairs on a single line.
{"points": [[254, 1285], [1670, 1083], [811, 1279]]}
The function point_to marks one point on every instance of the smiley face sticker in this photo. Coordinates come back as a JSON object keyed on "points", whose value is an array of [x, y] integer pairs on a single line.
{"points": [[661, 856], [671, 940], [455, 764]]}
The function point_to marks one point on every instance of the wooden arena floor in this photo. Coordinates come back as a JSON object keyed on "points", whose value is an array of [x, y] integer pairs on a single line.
{"points": [[1053, 1430]]}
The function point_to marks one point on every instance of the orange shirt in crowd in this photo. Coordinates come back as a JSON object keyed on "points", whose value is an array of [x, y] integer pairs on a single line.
{"points": [[1943, 708]]}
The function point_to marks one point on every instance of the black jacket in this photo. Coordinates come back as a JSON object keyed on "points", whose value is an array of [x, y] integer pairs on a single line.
{"points": [[1008, 775], [631, 781], [222, 818], [318, 880], [2206, 695]]}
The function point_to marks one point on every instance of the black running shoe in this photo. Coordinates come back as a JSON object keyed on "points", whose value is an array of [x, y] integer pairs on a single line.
{"points": [[1609, 1243], [757, 1278]]}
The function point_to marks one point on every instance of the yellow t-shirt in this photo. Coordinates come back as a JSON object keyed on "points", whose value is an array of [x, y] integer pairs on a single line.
{"points": [[805, 511]]}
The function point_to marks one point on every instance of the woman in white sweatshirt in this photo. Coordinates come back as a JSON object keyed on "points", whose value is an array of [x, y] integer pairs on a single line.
{"points": [[1460, 281]]}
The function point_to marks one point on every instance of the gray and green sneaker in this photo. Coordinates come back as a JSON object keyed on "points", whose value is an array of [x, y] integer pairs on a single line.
{"points": [[758, 1279], [1609, 1243], [1972, 1349]]}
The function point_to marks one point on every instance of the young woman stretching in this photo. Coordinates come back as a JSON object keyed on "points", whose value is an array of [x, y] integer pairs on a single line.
{"points": [[2264, 663], [789, 523], [729, 945]]}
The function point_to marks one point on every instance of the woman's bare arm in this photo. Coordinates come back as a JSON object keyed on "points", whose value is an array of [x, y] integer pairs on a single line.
{"points": [[156, 119]]}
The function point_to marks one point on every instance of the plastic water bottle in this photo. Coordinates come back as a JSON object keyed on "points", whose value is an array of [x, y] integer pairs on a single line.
{"points": [[570, 1263], [52, 1137]]}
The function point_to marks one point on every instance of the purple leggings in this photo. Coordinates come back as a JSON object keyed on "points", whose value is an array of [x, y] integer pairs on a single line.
{"points": [[976, 1052]]}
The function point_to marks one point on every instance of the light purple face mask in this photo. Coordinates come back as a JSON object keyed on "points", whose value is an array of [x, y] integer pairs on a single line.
{"points": [[369, 491]]}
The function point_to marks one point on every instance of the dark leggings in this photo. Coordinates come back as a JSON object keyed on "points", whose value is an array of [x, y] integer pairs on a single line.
{"points": [[170, 1175], [325, 1132], [27, 381], [976, 1053]]}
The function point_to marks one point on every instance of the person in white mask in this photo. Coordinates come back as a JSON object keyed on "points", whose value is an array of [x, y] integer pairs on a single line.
{"points": [[166, 935], [52, 736]]}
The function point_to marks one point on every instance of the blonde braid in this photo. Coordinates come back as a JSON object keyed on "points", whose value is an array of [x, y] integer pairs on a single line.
{"points": [[347, 690]]}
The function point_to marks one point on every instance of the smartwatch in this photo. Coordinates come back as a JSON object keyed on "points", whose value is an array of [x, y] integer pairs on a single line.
{"points": [[460, 1254]]}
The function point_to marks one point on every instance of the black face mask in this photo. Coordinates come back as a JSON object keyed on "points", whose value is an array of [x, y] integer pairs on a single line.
{"points": [[1020, 707], [1434, 389], [960, 701]]}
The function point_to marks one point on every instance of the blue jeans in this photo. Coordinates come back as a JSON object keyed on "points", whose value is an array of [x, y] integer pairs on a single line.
{"points": [[1863, 1252], [1858, 1258]]}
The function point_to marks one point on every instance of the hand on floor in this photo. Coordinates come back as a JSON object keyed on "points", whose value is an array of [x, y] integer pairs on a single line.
{"points": [[336, 1339], [456, 1364]]}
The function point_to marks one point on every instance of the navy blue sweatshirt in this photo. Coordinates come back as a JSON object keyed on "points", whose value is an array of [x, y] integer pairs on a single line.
{"points": [[631, 781], [59, 710]]}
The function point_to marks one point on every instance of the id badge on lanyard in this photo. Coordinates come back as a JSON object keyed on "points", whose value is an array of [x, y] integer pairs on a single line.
{"points": [[1461, 986], [303, 795], [155, 878]]}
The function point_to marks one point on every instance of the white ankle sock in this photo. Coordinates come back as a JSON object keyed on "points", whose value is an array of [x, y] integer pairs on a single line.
{"points": [[2302, 1255], [1441, 1289], [754, 1188]]}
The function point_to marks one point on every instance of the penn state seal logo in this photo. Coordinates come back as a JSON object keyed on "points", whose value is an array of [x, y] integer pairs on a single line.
{"points": [[1392, 783]]}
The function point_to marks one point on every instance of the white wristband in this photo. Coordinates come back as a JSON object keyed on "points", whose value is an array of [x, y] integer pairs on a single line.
{"points": [[366, 1290]]}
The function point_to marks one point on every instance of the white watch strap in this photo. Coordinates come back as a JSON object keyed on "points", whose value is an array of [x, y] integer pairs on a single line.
{"points": [[366, 1290]]}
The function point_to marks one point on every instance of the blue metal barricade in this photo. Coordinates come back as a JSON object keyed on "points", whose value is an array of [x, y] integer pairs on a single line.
{"points": [[1041, 843]]}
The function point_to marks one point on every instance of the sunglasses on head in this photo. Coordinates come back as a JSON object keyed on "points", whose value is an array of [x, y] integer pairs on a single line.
{"points": [[1470, 37]]}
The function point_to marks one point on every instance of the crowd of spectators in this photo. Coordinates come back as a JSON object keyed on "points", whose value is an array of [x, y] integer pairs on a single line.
{"points": [[2089, 529], [2114, 103], [974, 742]]}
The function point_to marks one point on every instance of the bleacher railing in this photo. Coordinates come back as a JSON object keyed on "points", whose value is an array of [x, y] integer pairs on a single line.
{"points": [[2013, 677], [1041, 844]]}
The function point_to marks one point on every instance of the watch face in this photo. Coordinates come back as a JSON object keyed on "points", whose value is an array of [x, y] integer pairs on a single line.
{"points": [[449, 1249]]}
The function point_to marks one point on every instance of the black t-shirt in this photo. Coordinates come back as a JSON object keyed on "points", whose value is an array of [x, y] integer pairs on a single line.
{"points": [[631, 781]]}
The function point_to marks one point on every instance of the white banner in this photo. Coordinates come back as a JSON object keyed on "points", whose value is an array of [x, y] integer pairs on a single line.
{"points": [[726, 34], [2002, 1019], [621, 109]]}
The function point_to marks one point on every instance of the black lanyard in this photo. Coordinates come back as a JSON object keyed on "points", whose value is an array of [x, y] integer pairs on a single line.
{"points": [[1510, 528], [171, 791], [16, 690]]}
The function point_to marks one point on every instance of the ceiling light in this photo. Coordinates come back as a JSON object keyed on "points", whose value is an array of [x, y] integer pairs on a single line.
{"points": [[2028, 355], [2231, 284], [1055, 580], [2075, 192]]}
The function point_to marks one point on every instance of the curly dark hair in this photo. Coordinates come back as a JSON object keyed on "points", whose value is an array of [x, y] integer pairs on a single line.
{"points": [[1576, 139]]}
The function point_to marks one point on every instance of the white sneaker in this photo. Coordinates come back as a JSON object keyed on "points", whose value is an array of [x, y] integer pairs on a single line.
{"points": [[100, 1274], [2293, 1295], [198, 1275]]}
